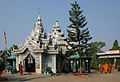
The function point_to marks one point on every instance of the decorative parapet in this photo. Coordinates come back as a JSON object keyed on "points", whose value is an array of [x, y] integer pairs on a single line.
{"points": [[53, 52], [61, 33]]}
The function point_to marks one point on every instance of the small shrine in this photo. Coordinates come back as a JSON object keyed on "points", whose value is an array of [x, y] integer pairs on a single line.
{"points": [[39, 50], [4, 55], [10, 62], [75, 63]]}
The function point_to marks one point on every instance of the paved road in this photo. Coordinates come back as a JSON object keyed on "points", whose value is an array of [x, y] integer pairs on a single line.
{"points": [[113, 77]]}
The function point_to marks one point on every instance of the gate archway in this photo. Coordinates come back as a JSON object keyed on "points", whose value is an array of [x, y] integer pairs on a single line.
{"points": [[30, 63]]}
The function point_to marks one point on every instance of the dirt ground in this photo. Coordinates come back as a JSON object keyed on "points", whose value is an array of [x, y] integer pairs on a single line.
{"points": [[93, 77]]}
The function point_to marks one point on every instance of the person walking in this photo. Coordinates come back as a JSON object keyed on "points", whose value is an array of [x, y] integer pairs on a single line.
{"points": [[105, 68], [110, 67], [101, 68], [20, 68]]}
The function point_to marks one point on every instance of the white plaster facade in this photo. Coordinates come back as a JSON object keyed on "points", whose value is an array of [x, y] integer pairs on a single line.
{"points": [[42, 49]]}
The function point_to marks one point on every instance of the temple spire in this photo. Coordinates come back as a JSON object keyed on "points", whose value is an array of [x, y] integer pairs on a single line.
{"points": [[39, 14], [39, 19]]}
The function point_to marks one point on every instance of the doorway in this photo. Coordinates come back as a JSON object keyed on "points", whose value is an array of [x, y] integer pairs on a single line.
{"points": [[29, 63]]}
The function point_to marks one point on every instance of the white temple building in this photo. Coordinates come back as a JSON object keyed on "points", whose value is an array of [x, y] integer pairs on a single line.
{"points": [[39, 50]]}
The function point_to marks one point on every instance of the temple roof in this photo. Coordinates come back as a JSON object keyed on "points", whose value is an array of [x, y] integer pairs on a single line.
{"points": [[57, 36], [12, 57], [38, 42], [7, 52], [77, 56]]}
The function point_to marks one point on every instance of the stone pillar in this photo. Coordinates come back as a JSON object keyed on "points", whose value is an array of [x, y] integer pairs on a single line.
{"points": [[115, 62], [83, 65], [17, 62], [40, 63], [24, 65], [13, 64], [89, 66], [74, 65], [54, 57]]}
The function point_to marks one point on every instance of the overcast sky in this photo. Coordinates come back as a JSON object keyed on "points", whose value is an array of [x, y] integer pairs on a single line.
{"points": [[18, 17]]}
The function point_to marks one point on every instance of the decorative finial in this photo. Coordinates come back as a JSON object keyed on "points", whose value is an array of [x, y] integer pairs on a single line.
{"points": [[39, 15], [56, 21], [39, 11]]}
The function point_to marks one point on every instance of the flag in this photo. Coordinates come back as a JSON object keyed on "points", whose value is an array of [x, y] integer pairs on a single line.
{"points": [[5, 37]]}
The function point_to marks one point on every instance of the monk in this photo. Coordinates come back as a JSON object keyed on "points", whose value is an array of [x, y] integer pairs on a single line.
{"points": [[101, 68], [110, 67], [20, 68], [105, 68]]}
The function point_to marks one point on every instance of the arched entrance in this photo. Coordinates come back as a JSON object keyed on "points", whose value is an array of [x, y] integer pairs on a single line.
{"points": [[29, 63]]}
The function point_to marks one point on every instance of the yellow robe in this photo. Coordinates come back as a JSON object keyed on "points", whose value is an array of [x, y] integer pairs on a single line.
{"points": [[20, 69], [110, 68], [101, 68], [105, 68]]}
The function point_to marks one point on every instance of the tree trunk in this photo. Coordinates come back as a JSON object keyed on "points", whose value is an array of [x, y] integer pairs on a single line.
{"points": [[80, 58], [80, 65]]}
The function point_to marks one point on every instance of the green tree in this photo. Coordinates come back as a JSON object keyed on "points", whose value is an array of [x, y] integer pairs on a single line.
{"points": [[14, 47], [1, 51], [78, 36], [1, 64], [1, 61], [94, 49], [115, 45]]}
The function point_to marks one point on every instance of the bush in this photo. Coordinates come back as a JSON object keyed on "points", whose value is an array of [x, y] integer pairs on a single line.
{"points": [[1, 64]]}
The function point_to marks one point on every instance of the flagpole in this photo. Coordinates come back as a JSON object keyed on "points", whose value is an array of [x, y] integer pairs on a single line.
{"points": [[5, 39], [5, 56], [5, 48]]}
